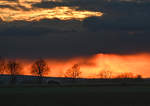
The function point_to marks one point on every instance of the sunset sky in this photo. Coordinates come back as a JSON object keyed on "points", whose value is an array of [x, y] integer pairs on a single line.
{"points": [[96, 34]]}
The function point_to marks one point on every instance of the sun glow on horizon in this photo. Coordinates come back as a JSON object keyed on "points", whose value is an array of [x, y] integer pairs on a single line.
{"points": [[137, 64]]}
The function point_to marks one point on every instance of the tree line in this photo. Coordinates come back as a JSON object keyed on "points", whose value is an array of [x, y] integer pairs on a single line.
{"points": [[13, 68], [40, 68]]}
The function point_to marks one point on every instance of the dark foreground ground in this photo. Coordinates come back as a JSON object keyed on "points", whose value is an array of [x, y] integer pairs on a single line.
{"points": [[75, 96]]}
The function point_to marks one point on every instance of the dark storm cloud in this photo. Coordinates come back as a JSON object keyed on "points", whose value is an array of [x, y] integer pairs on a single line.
{"points": [[7, 6], [117, 15], [24, 28], [69, 44], [25, 31], [123, 29], [129, 23], [94, 5]]}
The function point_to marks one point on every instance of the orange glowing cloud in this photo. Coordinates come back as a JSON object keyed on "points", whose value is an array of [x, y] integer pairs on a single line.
{"points": [[138, 64], [23, 10]]}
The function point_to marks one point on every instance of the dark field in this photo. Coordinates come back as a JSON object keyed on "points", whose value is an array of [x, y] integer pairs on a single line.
{"points": [[75, 96]]}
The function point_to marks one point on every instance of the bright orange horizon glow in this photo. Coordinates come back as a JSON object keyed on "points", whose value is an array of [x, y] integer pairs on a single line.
{"points": [[138, 64], [23, 10]]}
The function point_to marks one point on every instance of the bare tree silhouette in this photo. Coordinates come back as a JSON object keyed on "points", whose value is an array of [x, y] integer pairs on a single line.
{"points": [[73, 72], [13, 68], [139, 76], [40, 68], [105, 74], [2, 65]]}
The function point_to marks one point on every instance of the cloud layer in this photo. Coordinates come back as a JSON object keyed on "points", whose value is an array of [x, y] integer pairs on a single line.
{"points": [[123, 29]]}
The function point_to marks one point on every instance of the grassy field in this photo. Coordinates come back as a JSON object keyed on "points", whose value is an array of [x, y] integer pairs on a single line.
{"points": [[75, 96]]}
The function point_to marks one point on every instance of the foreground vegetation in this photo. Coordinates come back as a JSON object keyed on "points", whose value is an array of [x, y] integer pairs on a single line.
{"points": [[75, 96]]}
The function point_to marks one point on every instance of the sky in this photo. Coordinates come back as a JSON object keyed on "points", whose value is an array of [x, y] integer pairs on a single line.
{"points": [[49, 28], [66, 29]]}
